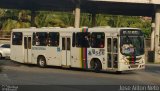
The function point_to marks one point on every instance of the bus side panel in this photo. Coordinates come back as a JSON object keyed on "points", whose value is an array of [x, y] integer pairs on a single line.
{"points": [[36, 52], [76, 60], [34, 56], [17, 53], [97, 53], [53, 56], [121, 61]]}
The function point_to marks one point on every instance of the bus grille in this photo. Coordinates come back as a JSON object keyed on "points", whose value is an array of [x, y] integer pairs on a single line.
{"points": [[135, 61], [133, 66]]}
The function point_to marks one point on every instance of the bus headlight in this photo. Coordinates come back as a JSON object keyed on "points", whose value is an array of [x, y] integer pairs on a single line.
{"points": [[126, 62], [142, 61]]}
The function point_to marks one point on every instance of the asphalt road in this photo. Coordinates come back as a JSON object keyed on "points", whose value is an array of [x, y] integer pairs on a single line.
{"points": [[21, 74]]}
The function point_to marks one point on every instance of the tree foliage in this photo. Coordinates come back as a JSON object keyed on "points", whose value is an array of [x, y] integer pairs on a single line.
{"points": [[10, 19]]}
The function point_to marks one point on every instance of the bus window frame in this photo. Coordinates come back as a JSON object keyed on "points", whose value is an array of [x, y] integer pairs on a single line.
{"points": [[38, 40], [101, 43], [19, 41], [81, 37], [74, 39], [57, 39]]}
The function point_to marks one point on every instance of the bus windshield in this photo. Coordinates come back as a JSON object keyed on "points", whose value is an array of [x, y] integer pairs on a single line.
{"points": [[132, 45]]}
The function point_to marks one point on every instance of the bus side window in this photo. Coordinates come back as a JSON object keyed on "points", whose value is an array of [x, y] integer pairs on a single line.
{"points": [[41, 38], [97, 40], [83, 39], [109, 45], [17, 38], [73, 40], [34, 39], [115, 52], [37, 42], [109, 48], [115, 45], [53, 39]]}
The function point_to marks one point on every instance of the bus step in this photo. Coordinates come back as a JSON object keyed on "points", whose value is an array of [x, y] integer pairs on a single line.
{"points": [[65, 66]]}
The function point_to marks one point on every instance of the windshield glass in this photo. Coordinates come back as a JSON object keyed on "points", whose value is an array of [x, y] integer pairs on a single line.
{"points": [[132, 45]]}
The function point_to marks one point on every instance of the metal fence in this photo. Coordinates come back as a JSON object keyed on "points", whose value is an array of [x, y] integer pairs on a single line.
{"points": [[4, 38]]}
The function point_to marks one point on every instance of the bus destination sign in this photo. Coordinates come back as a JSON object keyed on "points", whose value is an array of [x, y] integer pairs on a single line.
{"points": [[131, 32]]}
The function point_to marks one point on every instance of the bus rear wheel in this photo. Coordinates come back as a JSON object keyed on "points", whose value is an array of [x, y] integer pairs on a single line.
{"points": [[119, 72], [96, 65], [41, 62]]}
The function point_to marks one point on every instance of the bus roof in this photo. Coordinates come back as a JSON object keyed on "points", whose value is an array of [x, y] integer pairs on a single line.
{"points": [[57, 29]]}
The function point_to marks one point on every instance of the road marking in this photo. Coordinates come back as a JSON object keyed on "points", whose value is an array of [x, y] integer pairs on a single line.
{"points": [[4, 79]]}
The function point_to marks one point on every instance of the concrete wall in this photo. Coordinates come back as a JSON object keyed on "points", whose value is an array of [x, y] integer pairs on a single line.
{"points": [[155, 1], [149, 54]]}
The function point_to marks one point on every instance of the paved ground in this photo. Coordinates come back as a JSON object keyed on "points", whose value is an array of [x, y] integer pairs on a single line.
{"points": [[20, 74]]}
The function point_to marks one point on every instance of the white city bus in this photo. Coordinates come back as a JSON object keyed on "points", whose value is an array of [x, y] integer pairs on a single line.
{"points": [[117, 49]]}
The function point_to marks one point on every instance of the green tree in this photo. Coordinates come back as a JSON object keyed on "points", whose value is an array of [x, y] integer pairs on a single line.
{"points": [[10, 19], [48, 19], [14, 19]]}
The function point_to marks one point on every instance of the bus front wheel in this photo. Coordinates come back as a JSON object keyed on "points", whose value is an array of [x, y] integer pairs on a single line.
{"points": [[41, 62], [96, 65], [119, 72]]}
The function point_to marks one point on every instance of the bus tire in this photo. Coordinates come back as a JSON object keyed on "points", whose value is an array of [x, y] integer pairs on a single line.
{"points": [[96, 65], [119, 72], [41, 62]]}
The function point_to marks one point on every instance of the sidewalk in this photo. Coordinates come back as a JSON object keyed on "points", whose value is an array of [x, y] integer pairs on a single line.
{"points": [[153, 64]]}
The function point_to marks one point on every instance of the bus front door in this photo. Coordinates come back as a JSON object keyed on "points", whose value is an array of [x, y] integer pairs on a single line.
{"points": [[112, 52], [27, 49], [66, 51]]}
